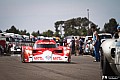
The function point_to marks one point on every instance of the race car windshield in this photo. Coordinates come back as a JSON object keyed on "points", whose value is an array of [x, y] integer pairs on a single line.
{"points": [[46, 45]]}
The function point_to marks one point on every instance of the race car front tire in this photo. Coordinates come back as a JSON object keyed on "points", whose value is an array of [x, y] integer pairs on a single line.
{"points": [[22, 59], [106, 68], [0, 52]]}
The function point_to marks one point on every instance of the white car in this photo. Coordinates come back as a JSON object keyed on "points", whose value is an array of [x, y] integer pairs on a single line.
{"points": [[104, 36], [110, 58], [88, 47], [16, 47]]}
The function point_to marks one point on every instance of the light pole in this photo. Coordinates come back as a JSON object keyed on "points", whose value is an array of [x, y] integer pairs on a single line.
{"points": [[88, 20], [88, 13]]}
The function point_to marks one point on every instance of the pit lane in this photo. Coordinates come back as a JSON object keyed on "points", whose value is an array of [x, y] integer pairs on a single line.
{"points": [[81, 68]]}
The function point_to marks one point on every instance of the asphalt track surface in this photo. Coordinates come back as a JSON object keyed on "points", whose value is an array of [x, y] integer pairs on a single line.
{"points": [[80, 68]]}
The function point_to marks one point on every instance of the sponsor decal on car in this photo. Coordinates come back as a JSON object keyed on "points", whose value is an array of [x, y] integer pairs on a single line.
{"points": [[38, 58], [57, 58], [48, 57]]}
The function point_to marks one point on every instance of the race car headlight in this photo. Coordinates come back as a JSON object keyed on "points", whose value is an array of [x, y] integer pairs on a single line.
{"points": [[113, 52], [66, 50], [28, 51]]}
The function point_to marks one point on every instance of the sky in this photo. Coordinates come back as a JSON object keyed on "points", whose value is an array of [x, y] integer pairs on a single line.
{"points": [[34, 15]]}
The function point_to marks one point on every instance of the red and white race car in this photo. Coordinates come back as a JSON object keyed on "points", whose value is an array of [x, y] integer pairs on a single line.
{"points": [[45, 50]]}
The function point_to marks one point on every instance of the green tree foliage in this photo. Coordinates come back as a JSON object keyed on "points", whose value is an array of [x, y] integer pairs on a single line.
{"points": [[13, 29], [111, 26], [36, 33], [22, 32], [0, 31], [48, 33], [75, 26], [58, 24]]}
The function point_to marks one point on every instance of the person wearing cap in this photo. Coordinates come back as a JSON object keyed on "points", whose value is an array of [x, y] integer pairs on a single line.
{"points": [[117, 34]]}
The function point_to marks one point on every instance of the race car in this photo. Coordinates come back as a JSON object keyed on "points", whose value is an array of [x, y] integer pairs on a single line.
{"points": [[110, 57], [45, 50]]}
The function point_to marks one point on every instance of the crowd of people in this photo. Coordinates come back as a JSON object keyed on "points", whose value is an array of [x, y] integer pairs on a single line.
{"points": [[76, 46], [76, 43]]}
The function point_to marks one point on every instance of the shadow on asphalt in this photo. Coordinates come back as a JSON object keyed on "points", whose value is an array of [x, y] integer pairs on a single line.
{"points": [[52, 62]]}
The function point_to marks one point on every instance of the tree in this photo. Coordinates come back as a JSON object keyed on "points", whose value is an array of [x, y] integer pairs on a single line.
{"points": [[22, 32], [28, 34], [13, 30], [34, 33], [58, 28], [83, 31], [111, 26], [75, 26], [38, 32], [48, 33], [0, 31]]}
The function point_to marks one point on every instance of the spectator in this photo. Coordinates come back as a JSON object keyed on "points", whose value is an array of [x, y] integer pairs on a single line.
{"points": [[80, 45], [117, 34], [76, 46], [73, 45], [96, 44]]}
